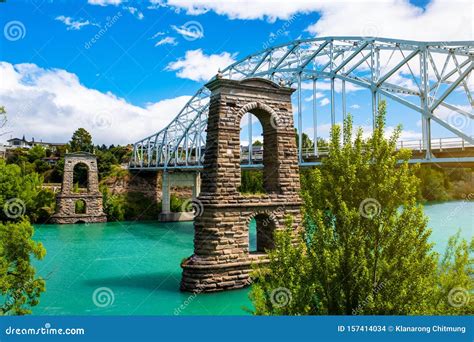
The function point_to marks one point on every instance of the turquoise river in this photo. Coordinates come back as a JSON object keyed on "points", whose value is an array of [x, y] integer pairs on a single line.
{"points": [[133, 267]]}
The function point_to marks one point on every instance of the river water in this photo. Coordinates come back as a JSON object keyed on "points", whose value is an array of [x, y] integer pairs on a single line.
{"points": [[132, 268]]}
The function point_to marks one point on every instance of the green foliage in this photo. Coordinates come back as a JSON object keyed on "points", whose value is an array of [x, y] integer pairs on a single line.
{"points": [[105, 161], [22, 194], [19, 286], [35, 153], [3, 116], [434, 184], [455, 279], [307, 142], [365, 249], [441, 184], [80, 175], [80, 207], [128, 206], [251, 182], [81, 141]]}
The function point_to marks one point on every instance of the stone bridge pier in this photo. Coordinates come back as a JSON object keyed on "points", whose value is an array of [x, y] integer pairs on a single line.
{"points": [[222, 258]]}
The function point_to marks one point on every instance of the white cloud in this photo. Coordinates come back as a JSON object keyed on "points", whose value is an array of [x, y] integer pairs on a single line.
{"points": [[49, 104], [105, 2], [441, 20], [324, 101], [134, 11], [190, 32], [73, 24], [197, 66], [326, 86], [166, 40], [355, 106], [325, 129], [247, 9], [157, 34], [310, 98]]}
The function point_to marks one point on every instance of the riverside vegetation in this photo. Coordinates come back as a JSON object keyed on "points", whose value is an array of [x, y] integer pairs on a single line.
{"points": [[364, 248], [351, 264]]}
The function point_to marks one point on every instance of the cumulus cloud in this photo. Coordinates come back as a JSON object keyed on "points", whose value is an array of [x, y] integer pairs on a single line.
{"points": [[73, 24], [440, 20], [49, 104], [197, 66], [247, 9]]}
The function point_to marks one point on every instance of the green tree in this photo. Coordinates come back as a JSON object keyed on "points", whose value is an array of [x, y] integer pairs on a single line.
{"points": [[22, 194], [81, 141], [20, 288], [3, 116], [307, 142], [36, 152], [365, 247]]}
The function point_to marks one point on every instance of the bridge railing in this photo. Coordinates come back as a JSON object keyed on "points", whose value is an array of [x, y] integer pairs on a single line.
{"points": [[439, 144], [309, 154]]}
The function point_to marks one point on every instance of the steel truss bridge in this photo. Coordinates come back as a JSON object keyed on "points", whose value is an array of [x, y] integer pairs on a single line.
{"points": [[420, 76]]}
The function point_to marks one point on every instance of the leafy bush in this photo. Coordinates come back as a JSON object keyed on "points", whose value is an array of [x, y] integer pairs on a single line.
{"points": [[365, 248], [22, 194], [19, 286]]}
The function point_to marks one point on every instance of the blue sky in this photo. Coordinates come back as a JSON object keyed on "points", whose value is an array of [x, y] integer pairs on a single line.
{"points": [[149, 61]]}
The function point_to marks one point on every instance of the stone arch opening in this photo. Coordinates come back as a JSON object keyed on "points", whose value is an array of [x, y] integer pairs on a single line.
{"points": [[80, 207], [80, 181], [251, 152], [261, 233], [269, 122]]}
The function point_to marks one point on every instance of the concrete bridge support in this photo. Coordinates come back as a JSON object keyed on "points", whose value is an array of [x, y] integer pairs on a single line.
{"points": [[222, 258], [179, 179]]}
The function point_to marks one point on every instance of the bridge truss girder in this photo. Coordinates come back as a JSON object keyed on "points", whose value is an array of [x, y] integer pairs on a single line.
{"points": [[418, 75]]}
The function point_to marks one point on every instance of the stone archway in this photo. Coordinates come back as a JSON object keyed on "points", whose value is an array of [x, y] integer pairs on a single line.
{"points": [[67, 199], [221, 257]]}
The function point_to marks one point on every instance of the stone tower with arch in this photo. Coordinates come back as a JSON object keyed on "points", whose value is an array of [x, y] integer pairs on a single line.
{"points": [[91, 200], [222, 258]]}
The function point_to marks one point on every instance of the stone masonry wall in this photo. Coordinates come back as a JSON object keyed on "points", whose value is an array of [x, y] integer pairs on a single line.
{"points": [[222, 259]]}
